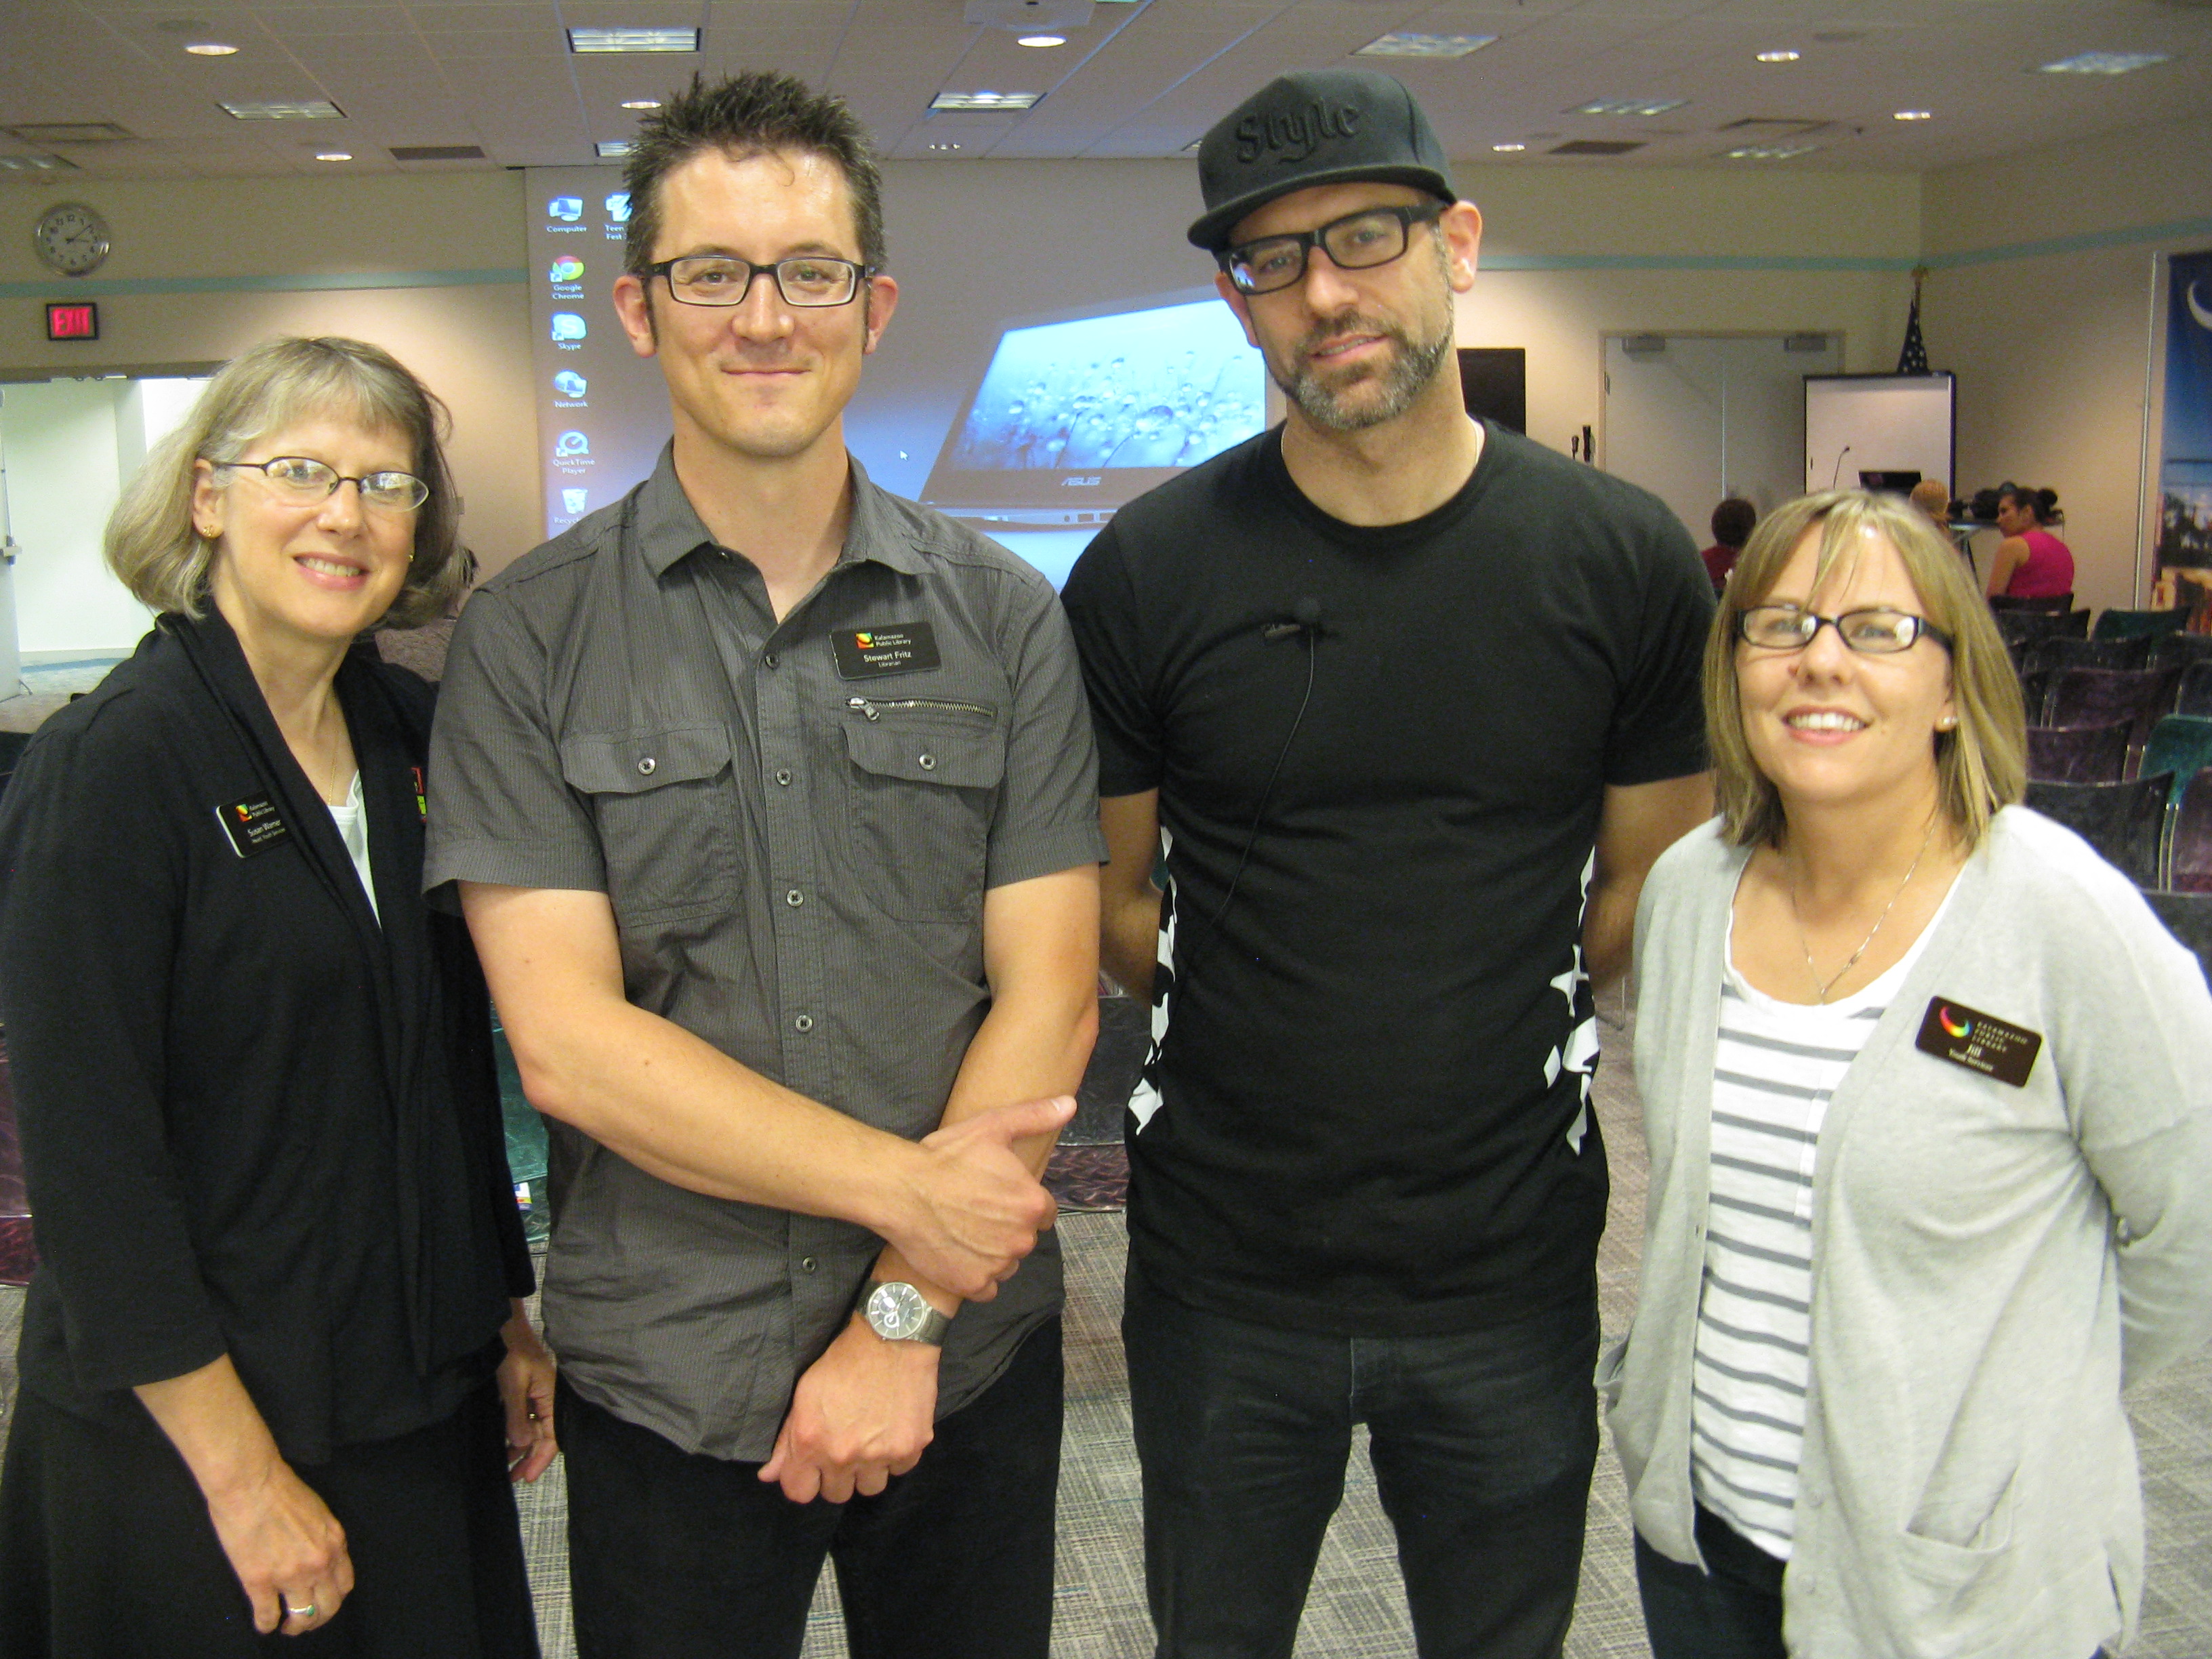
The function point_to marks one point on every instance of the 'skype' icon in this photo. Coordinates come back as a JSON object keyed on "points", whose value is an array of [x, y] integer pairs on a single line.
{"points": [[567, 325]]}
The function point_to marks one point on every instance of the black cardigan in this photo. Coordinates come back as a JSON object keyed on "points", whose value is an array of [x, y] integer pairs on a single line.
{"points": [[254, 1120]]}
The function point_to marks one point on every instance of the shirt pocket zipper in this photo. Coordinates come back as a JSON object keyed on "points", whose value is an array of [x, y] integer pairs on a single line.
{"points": [[874, 710]]}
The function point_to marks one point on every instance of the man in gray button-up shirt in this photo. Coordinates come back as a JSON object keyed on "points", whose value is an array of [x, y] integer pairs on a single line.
{"points": [[771, 800]]}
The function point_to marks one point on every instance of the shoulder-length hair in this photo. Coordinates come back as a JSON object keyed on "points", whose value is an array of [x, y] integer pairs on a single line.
{"points": [[152, 545], [1981, 766]]}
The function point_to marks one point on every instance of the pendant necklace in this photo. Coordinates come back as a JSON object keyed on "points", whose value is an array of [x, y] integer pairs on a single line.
{"points": [[1820, 990]]}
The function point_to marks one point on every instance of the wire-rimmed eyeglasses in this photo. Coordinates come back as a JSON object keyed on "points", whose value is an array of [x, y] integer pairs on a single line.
{"points": [[1358, 241], [1877, 632], [716, 279], [304, 479]]}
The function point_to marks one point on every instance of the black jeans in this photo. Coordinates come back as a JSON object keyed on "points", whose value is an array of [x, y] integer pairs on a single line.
{"points": [[1733, 1612], [1482, 1443], [676, 1556]]}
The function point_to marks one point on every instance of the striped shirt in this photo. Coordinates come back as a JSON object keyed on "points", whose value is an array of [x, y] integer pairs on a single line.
{"points": [[1775, 1068]]}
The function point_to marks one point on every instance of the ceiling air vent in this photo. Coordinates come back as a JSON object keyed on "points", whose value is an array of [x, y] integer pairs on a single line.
{"points": [[1597, 147], [436, 153], [71, 132]]}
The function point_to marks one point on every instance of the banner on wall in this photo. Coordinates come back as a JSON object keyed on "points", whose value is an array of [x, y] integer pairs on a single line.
{"points": [[2184, 474]]}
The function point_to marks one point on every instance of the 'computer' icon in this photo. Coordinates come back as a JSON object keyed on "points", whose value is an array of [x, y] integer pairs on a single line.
{"points": [[567, 208], [567, 325], [571, 443], [569, 383], [566, 269], [618, 207]]}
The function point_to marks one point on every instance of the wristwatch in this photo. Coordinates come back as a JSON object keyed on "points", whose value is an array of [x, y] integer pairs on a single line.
{"points": [[899, 1313]]}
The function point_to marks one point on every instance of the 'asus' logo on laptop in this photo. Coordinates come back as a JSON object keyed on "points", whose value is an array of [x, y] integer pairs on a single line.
{"points": [[1090, 482]]}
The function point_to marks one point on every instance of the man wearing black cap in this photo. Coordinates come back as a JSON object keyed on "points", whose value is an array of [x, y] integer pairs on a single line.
{"points": [[1416, 702]]}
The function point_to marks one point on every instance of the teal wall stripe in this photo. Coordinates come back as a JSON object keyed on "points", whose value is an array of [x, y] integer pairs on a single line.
{"points": [[97, 289], [2088, 241]]}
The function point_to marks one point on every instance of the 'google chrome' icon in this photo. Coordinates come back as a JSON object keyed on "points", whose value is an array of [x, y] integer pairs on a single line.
{"points": [[1953, 1024]]}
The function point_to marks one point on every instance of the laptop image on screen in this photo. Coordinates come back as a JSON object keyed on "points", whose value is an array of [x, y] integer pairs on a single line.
{"points": [[1077, 412]]}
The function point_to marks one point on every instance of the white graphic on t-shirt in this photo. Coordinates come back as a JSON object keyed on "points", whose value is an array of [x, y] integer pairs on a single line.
{"points": [[1579, 1053], [1145, 1098]]}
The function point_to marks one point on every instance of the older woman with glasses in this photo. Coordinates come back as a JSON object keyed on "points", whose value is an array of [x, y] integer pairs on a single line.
{"points": [[274, 1375], [1930, 1130]]}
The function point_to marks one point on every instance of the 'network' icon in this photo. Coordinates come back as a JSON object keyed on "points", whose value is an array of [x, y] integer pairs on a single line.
{"points": [[569, 383]]}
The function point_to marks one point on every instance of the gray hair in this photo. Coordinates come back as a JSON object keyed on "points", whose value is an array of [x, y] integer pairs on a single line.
{"points": [[154, 550]]}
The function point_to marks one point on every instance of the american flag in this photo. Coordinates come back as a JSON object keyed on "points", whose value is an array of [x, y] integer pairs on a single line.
{"points": [[1913, 358]]}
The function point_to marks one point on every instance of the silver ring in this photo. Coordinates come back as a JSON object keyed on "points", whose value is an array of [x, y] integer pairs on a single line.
{"points": [[307, 1611]]}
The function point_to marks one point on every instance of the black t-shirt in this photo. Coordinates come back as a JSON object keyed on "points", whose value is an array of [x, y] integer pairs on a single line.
{"points": [[1376, 1066]]}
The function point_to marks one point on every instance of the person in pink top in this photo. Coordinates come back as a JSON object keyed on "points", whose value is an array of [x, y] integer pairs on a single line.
{"points": [[2031, 562]]}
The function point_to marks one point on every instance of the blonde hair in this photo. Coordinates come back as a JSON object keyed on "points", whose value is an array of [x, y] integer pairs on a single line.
{"points": [[154, 550], [1980, 767]]}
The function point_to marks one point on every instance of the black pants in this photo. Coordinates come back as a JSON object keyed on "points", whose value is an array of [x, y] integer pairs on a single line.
{"points": [[1482, 1444], [677, 1556]]}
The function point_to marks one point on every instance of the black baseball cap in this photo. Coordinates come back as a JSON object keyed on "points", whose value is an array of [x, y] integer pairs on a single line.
{"points": [[1315, 127]]}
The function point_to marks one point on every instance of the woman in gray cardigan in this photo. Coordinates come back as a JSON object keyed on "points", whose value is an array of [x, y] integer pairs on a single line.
{"points": [[1927, 1092]]}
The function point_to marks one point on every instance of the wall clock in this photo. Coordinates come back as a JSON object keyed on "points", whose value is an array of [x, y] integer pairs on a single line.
{"points": [[70, 238]]}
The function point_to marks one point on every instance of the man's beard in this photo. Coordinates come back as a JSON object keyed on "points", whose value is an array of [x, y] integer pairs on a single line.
{"points": [[1412, 367]]}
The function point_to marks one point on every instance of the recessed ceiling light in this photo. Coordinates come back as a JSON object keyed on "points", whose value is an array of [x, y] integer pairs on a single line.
{"points": [[611, 148], [1913, 115], [598, 40], [1405, 43], [640, 103], [985, 99], [211, 48], [1041, 41], [280, 109], [1769, 152], [334, 156], [2102, 63], [1628, 105], [941, 144], [1780, 55], [1507, 150], [35, 164]]}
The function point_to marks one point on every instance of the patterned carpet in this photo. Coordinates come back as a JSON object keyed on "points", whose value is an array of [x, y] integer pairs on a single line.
{"points": [[1357, 1610]]}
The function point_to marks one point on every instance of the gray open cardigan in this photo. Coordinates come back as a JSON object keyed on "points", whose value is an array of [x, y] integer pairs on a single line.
{"points": [[1989, 1263]]}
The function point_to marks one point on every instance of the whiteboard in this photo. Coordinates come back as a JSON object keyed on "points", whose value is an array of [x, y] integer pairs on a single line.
{"points": [[1878, 422]]}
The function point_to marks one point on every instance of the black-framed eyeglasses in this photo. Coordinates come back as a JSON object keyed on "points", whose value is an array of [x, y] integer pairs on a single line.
{"points": [[1879, 632], [304, 479], [714, 279], [1358, 241]]}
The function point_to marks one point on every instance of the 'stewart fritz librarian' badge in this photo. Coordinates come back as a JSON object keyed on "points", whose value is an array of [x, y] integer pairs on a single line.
{"points": [[253, 825], [867, 653], [1980, 1042]]}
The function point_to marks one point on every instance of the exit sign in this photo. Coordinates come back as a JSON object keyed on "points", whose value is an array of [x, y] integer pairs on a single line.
{"points": [[73, 319]]}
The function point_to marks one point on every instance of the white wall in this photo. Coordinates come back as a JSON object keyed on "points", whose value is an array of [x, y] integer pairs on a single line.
{"points": [[63, 446]]}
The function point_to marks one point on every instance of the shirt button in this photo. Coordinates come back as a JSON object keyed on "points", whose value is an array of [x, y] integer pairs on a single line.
{"points": [[644, 767], [794, 898], [927, 763], [804, 1023], [806, 1264], [769, 660], [783, 776]]}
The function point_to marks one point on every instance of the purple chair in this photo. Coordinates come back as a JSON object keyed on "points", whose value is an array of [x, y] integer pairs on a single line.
{"points": [[2078, 754], [17, 1255], [2195, 697], [2096, 697], [2035, 693], [2061, 651], [2188, 917], [2190, 863], [2124, 822], [2167, 649], [2020, 602]]}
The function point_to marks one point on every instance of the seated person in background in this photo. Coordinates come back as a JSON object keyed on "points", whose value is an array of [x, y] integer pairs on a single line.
{"points": [[1900, 1255], [1732, 525], [1933, 497], [2031, 562]]}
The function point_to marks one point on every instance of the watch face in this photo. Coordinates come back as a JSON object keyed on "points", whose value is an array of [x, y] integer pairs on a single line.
{"points": [[896, 1311], [70, 238]]}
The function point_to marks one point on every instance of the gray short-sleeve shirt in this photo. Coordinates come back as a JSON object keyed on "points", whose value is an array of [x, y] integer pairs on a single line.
{"points": [[795, 824]]}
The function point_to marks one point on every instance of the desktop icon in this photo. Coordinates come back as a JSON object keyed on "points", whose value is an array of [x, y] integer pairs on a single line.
{"points": [[618, 207], [570, 444], [572, 502], [567, 325], [569, 384], [568, 209], [566, 269]]}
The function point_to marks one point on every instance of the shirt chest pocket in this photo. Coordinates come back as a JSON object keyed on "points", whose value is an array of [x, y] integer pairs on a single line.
{"points": [[922, 788], [662, 799]]}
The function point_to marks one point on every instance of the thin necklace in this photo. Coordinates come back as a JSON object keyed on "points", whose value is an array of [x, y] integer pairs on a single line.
{"points": [[1820, 990]]}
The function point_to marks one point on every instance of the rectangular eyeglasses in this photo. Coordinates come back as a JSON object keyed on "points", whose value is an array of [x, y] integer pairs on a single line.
{"points": [[1875, 633], [1358, 241], [714, 279]]}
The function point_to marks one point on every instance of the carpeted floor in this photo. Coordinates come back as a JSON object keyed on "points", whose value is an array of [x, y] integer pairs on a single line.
{"points": [[1357, 1610]]}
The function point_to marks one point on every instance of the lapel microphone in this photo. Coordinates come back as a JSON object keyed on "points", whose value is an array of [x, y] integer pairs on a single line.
{"points": [[1304, 618]]}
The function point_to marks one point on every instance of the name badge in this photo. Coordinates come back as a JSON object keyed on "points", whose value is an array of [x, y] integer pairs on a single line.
{"points": [[253, 825], [867, 653], [1981, 1043]]}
